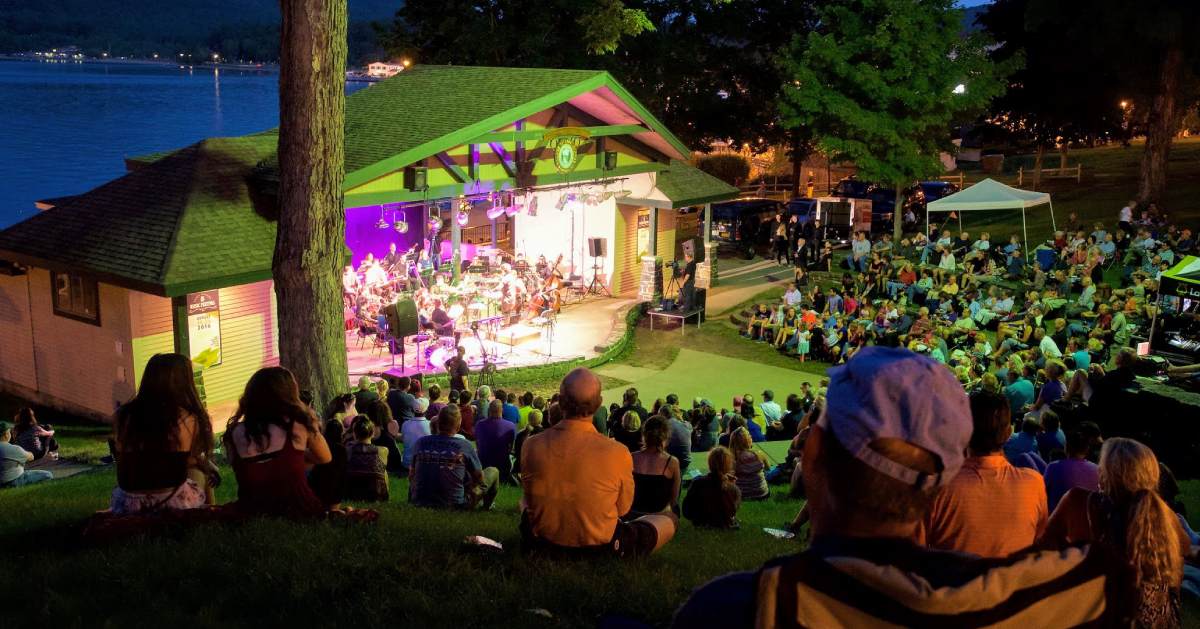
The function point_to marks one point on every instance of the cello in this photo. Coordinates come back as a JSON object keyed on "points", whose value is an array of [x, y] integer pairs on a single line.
{"points": [[550, 295]]}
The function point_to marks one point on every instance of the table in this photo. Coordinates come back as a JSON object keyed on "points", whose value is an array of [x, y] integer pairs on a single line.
{"points": [[681, 315]]}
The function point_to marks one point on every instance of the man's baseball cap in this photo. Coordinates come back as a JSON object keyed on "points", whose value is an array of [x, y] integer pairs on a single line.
{"points": [[893, 393]]}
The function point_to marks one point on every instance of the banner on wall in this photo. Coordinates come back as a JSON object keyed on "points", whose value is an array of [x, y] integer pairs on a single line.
{"points": [[204, 328]]}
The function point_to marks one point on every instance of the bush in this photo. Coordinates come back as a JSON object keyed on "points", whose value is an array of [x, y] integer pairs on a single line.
{"points": [[731, 168]]}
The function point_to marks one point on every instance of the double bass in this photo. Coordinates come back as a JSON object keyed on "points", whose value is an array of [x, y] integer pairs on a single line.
{"points": [[550, 294]]}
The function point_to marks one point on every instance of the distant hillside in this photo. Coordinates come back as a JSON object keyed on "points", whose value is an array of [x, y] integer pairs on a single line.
{"points": [[238, 29]]}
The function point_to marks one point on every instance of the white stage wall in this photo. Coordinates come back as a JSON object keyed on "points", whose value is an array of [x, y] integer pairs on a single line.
{"points": [[566, 231]]}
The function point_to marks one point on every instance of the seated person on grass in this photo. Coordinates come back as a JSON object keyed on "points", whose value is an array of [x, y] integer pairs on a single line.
{"points": [[12, 462], [162, 441], [891, 437], [713, 499], [446, 472], [577, 483], [366, 464], [269, 441]]}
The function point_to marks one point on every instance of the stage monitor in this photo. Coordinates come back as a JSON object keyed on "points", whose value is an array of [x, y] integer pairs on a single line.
{"points": [[402, 318]]}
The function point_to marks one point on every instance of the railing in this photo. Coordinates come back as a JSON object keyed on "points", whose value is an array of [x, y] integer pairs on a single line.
{"points": [[1071, 172]]}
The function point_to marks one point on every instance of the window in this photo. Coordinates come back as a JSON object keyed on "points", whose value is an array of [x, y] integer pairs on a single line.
{"points": [[76, 297]]}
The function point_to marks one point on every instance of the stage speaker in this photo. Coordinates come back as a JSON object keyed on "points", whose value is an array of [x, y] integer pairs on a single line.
{"points": [[416, 178], [598, 247], [694, 248], [402, 318], [610, 160], [701, 297]]}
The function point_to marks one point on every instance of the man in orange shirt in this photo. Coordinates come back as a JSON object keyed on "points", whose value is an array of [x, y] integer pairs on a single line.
{"points": [[577, 483], [990, 508]]}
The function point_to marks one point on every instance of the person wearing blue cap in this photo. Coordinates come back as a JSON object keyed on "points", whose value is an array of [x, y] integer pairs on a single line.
{"points": [[893, 433]]}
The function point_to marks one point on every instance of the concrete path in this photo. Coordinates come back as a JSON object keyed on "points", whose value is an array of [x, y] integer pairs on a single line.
{"points": [[61, 468], [718, 378]]}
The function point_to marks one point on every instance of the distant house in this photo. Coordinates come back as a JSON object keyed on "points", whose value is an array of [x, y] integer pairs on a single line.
{"points": [[382, 70]]}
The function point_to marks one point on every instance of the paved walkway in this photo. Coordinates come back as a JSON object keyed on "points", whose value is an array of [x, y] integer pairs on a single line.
{"points": [[718, 378], [61, 468]]}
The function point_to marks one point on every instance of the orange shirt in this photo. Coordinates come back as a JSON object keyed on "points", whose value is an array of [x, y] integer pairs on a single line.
{"points": [[576, 483], [990, 509]]}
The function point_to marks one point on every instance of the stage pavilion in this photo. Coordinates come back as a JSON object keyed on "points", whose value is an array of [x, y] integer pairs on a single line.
{"points": [[476, 175]]}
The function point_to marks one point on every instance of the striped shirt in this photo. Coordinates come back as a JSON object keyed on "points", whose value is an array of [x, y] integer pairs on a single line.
{"points": [[892, 583]]}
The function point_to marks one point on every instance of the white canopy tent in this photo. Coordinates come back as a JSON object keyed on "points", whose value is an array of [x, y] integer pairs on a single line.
{"points": [[991, 195]]}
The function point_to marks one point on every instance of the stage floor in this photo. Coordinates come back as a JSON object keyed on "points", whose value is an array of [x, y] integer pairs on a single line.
{"points": [[580, 328]]}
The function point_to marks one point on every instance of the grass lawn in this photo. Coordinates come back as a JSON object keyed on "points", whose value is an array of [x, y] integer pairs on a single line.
{"points": [[410, 569], [1110, 179]]}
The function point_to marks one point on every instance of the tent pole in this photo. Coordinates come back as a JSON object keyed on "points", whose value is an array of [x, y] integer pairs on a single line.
{"points": [[1052, 223], [926, 221], [1025, 233]]}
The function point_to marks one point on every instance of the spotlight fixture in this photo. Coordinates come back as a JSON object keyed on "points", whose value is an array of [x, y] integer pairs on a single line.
{"points": [[382, 222], [400, 224], [463, 218], [435, 224]]}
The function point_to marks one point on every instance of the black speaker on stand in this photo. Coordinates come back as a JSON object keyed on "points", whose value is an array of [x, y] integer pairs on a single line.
{"points": [[597, 248], [402, 322]]}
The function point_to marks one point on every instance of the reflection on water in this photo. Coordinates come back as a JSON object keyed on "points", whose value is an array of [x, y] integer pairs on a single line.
{"points": [[68, 127]]}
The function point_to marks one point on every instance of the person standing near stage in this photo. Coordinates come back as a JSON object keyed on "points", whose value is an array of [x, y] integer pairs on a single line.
{"points": [[687, 283], [458, 370]]}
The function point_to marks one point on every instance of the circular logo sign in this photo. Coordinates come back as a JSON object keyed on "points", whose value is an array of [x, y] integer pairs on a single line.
{"points": [[565, 144]]}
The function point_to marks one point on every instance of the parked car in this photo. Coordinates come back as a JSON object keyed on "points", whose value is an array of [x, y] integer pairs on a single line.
{"points": [[742, 225], [883, 200]]}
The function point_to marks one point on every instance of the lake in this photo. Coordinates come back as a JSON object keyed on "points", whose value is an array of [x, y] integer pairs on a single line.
{"points": [[67, 127]]}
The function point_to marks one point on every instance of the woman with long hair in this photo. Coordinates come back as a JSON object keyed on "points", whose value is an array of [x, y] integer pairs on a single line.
{"points": [[162, 442], [1129, 517], [656, 475], [749, 466], [35, 438], [270, 440]]}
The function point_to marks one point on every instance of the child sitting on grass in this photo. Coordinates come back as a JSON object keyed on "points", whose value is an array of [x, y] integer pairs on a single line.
{"points": [[714, 498]]}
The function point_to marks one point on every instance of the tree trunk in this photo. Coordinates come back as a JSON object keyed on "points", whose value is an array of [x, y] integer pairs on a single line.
{"points": [[1036, 180], [1161, 125], [898, 216], [311, 246], [1062, 155]]}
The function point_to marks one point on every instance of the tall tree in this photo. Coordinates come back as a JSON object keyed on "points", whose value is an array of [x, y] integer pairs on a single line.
{"points": [[1149, 51], [1055, 99], [877, 85], [521, 33], [310, 248], [704, 66]]}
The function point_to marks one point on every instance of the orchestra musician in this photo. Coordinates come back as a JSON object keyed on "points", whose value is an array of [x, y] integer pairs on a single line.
{"points": [[392, 260]]}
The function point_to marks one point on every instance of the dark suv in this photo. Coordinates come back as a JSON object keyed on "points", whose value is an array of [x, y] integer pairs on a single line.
{"points": [[742, 225]]}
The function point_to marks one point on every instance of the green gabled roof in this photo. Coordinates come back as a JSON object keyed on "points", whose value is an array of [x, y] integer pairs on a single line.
{"points": [[687, 185], [184, 223], [428, 109]]}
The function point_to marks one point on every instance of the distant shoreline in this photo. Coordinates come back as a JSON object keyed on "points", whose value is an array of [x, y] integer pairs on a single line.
{"points": [[264, 67]]}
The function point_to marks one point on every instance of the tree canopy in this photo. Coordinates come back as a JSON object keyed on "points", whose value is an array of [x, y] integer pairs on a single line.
{"points": [[704, 66], [877, 84]]}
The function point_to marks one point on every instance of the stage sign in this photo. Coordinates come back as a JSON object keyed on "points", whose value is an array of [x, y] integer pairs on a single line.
{"points": [[565, 145], [204, 328]]}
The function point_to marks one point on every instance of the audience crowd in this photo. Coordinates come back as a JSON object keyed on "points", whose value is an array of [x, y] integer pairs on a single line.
{"points": [[941, 485]]}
